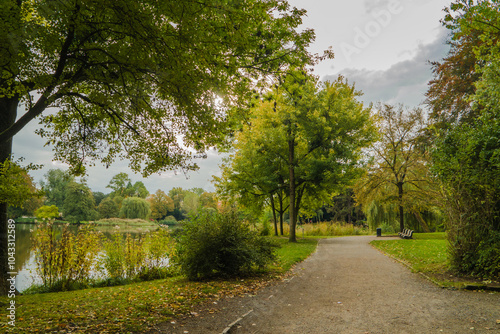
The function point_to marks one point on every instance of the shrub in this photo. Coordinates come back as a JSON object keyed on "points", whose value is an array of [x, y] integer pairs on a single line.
{"points": [[221, 245], [47, 212], [169, 220], [64, 259]]}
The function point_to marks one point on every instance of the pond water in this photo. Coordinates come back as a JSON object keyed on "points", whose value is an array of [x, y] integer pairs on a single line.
{"points": [[25, 258]]}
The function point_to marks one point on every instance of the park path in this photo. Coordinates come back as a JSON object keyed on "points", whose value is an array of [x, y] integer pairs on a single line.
{"points": [[347, 286]]}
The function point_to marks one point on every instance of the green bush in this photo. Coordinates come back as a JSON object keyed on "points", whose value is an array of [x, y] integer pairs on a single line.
{"points": [[47, 212], [169, 220], [486, 262], [221, 245]]}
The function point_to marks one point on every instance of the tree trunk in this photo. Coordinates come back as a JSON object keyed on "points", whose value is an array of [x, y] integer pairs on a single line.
{"points": [[291, 209], [274, 216], [401, 209], [282, 212], [8, 113], [422, 222]]}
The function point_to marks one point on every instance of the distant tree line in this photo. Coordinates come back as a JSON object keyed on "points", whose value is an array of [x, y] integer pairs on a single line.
{"points": [[64, 197]]}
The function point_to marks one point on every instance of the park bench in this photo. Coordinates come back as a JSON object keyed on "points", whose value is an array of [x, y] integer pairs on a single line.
{"points": [[406, 234]]}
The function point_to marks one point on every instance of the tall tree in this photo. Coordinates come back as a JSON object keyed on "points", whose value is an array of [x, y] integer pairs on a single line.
{"points": [[466, 158], [161, 204], [54, 185], [305, 135], [399, 166], [119, 184], [129, 77], [325, 129], [79, 204]]}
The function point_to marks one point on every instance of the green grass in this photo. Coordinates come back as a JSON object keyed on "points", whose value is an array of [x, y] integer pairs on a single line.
{"points": [[426, 253], [291, 253], [136, 307]]}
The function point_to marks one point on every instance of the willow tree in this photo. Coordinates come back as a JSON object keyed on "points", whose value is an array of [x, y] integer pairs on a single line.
{"points": [[136, 80], [398, 172]]}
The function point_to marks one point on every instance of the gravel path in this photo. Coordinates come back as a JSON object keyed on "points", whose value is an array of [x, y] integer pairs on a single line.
{"points": [[349, 287]]}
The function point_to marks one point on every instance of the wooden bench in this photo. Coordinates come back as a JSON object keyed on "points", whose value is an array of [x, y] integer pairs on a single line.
{"points": [[406, 234]]}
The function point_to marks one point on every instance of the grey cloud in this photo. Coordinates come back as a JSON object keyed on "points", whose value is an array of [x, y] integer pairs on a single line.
{"points": [[404, 82]]}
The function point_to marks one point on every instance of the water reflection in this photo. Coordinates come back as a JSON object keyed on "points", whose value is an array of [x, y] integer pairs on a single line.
{"points": [[25, 259]]}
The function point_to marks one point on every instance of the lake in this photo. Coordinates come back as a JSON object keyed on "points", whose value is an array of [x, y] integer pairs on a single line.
{"points": [[25, 258]]}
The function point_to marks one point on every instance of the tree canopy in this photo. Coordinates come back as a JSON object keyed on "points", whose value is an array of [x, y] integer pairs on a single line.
{"points": [[304, 137], [130, 78], [398, 173], [466, 154]]}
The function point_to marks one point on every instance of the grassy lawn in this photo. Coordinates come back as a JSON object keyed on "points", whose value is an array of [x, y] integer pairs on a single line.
{"points": [[135, 307], [427, 253]]}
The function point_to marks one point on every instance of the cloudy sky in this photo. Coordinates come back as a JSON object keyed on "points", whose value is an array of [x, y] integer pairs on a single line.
{"points": [[382, 46]]}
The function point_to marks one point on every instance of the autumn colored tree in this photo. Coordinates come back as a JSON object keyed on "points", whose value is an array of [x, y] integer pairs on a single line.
{"points": [[466, 156], [161, 204], [398, 172]]}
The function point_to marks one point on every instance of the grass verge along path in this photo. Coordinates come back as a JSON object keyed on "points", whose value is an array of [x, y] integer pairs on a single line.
{"points": [[135, 307], [427, 253]]}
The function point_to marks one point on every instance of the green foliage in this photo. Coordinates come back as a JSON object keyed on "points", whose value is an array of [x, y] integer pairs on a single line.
{"points": [[139, 308], [135, 207], [79, 203], [64, 260], [118, 184], [169, 220], [316, 130], [398, 174], [108, 208], [98, 197], [139, 190], [221, 244], [467, 155], [16, 186], [331, 229], [161, 204], [488, 260], [55, 185], [424, 254], [47, 212], [127, 258], [134, 84]]}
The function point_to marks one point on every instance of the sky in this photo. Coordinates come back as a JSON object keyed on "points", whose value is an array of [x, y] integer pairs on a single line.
{"points": [[383, 47]]}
